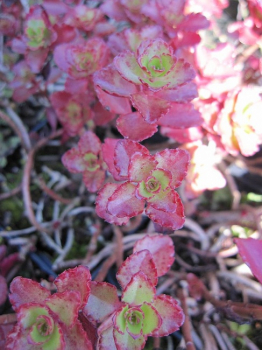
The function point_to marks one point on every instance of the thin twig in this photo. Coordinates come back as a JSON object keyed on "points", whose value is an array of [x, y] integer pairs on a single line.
{"points": [[11, 193], [26, 180], [186, 327], [13, 120]]}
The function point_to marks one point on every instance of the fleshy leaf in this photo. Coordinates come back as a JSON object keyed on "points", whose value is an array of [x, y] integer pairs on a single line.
{"points": [[123, 202], [94, 180], [76, 338], [66, 306], [176, 161], [114, 104], [106, 340], [138, 290], [89, 142], [77, 280], [153, 319], [164, 200], [73, 161], [180, 116], [103, 301], [24, 290], [133, 126], [161, 248], [127, 66], [3, 290], [140, 166], [126, 342], [110, 80], [174, 220], [108, 152], [250, 250], [139, 261], [101, 204], [150, 106], [123, 152], [171, 313]]}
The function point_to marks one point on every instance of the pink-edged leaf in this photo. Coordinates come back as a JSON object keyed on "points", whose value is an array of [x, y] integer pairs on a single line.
{"points": [[164, 200], [250, 250], [174, 220], [127, 66], [138, 261], [126, 342], [176, 161], [27, 317], [77, 280], [153, 320], [150, 106], [89, 143], [124, 203], [108, 151], [110, 80], [101, 205], [161, 248], [18, 339], [94, 180], [3, 290], [182, 94], [114, 104], [139, 290], [182, 135], [101, 115], [195, 286], [24, 290], [123, 152], [66, 306], [5, 330], [103, 301], [73, 160], [7, 263], [89, 328], [180, 116], [193, 22], [140, 166], [36, 59], [106, 340], [76, 338], [133, 126], [171, 313]]}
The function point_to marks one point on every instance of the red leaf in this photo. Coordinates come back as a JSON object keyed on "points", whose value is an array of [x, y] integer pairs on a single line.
{"points": [[3, 290], [133, 126], [138, 261], [174, 220], [150, 106], [110, 80], [171, 313], [161, 248], [250, 250], [103, 301], [123, 152], [76, 338], [114, 104], [108, 151], [76, 279], [123, 202], [176, 161], [180, 116], [24, 290], [101, 204]]}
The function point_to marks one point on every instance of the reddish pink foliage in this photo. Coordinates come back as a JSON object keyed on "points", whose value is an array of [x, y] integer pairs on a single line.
{"points": [[151, 180], [48, 319], [250, 251], [86, 159]]}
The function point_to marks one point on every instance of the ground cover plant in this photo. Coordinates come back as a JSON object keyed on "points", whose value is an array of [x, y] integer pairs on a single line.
{"points": [[130, 186]]}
